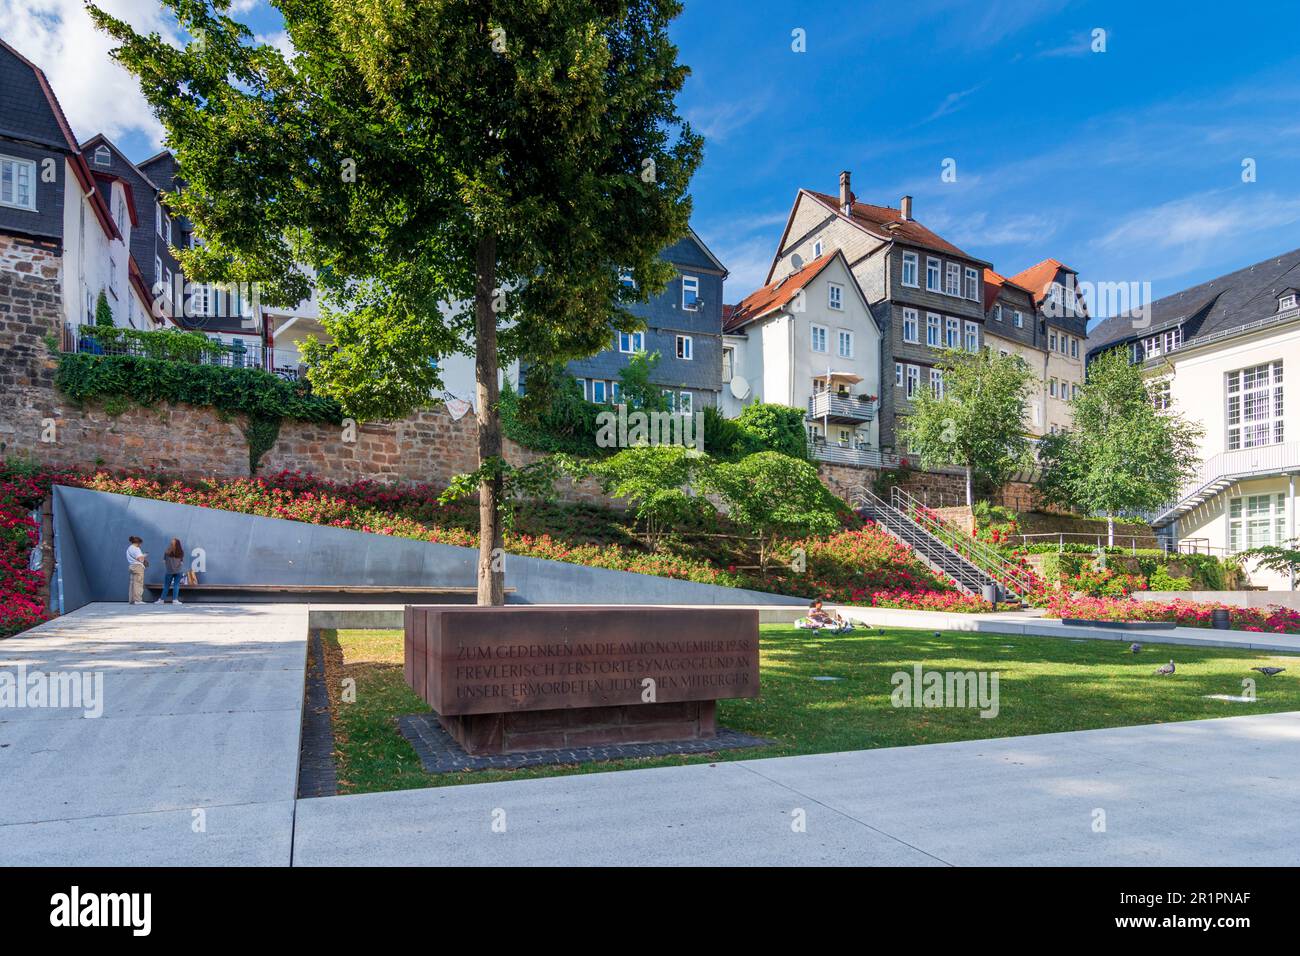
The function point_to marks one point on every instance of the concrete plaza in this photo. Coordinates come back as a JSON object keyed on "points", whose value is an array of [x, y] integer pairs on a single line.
{"points": [[202, 721]]}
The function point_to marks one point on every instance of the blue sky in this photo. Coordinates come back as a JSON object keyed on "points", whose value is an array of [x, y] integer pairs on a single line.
{"points": [[1125, 164]]}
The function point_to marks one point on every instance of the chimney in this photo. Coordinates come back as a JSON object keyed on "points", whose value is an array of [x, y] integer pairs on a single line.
{"points": [[846, 197], [905, 209]]}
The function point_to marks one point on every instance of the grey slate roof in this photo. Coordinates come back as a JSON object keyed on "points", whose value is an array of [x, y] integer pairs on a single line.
{"points": [[1233, 300]]}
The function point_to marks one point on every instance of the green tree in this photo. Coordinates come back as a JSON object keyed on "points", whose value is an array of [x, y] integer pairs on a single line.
{"points": [[656, 480], [978, 420], [103, 311], [770, 494], [461, 175], [635, 386], [778, 428], [1121, 455]]}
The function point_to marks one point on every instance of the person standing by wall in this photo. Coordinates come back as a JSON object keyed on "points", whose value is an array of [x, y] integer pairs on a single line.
{"points": [[174, 559], [136, 562]]}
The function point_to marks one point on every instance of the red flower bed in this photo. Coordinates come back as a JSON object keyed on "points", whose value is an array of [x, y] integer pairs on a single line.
{"points": [[862, 566], [1274, 619], [20, 603]]}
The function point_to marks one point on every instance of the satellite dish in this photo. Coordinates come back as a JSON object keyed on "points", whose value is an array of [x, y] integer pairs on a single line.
{"points": [[796, 260], [739, 387]]}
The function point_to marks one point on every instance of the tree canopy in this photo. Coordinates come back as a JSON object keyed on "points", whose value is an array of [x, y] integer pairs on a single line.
{"points": [[1121, 455], [460, 175], [977, 419]]}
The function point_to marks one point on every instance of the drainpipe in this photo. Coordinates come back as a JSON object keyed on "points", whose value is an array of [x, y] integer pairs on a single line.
{"points": [[1290, 483]]}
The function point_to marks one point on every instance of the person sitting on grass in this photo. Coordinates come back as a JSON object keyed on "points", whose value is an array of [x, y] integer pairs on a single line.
{"points": [[819, 617]]}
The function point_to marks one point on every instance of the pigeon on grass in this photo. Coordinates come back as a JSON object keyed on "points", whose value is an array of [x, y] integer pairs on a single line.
{"points": [[1135, 647], [1269, 671], [1166, 669]]}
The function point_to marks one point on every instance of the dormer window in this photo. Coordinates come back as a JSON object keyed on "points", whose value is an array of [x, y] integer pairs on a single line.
{"points": [[103, 157], [1287, 300]]}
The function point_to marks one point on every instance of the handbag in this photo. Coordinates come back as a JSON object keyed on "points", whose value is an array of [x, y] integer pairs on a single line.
{"points": [[191, 578]]}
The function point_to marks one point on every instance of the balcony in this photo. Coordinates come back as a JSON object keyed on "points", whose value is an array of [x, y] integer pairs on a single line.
{"points": [[841, 407]]}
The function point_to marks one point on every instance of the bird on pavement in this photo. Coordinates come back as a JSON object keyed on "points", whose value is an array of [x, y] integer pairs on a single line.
{"points": [[1135, 647], [1166, 669], [1269, 671]]}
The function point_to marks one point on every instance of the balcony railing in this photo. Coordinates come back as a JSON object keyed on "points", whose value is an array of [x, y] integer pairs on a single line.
{"points": [[841, 408], [285, 363]]}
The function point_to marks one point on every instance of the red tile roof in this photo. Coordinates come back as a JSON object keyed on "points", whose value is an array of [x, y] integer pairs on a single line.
{"points": [[888, 223], [1038, 278], [993, 283], [775, 294]]}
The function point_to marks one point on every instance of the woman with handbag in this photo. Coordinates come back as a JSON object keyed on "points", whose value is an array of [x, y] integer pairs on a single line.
{"points": [[174, 558]]}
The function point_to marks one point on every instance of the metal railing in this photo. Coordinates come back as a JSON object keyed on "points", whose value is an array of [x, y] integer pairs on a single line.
{"points": [[1099, 538], [1016, 580], [1280, 318], [860, 455], [827, 404], [285, 363], [1228, 466]]}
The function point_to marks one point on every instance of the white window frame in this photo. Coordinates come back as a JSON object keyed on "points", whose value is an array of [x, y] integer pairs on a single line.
{"points": [[933, 275], [934, 330], [1248, 515], [843, 338], [691, 284], [582, 384], [1018, 319], [634, 342], [898, 374], [972, 288], [911, 326], [106, 153], [817, 249], [599, 391], [813, 337], [1255, 407], [728, 363], [997, 311], [15, 163], [1285, 302], [835, 296], [972, 337], [952, 333], [684, 347], [1051, 387], [936, 383], [913, 380], [912, 264], [685, 403], [952, 280]]}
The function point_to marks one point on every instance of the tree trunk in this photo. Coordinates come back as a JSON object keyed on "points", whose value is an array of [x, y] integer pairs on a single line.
{"points": [[970, 489], [491, 555], [1110, 531]]}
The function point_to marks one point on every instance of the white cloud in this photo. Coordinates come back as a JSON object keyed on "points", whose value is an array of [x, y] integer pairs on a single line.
{"points": [[280, 40], [720, 121], [747, 263], [242, 6], [95, 92]]}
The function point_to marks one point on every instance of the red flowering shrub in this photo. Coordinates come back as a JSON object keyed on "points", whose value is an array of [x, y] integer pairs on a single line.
{"points": [[858, 566], [1273, 619], [20, 602]]}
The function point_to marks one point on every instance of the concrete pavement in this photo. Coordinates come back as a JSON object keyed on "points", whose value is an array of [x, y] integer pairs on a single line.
{"points": [[202, 709], [1200, 793], [194, 760]]}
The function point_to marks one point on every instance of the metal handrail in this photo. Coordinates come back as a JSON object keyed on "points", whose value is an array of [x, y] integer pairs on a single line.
{"points": [[976, 552], [932, 552]]}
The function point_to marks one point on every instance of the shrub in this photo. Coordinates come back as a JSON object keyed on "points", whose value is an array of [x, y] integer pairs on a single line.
{"points": [[778, 428], [1162, 580]]}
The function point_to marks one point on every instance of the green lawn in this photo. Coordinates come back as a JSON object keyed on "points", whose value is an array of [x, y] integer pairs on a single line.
{"points": [[1045, 685]]}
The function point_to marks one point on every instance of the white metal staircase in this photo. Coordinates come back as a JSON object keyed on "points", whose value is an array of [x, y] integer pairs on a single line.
{"points": [[1222, 471]]}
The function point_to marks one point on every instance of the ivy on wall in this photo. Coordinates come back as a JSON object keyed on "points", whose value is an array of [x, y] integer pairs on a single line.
{"points": [[262, 398]]}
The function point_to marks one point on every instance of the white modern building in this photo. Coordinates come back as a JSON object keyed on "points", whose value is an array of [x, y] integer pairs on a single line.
{"points": [[1227, 354]]}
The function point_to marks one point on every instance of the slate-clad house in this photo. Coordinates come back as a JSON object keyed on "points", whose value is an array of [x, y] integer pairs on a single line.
{"points": [[925, 293], [49, 199], [1226, 353], [683, 324]]}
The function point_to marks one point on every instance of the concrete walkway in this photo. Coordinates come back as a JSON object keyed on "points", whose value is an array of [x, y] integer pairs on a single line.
{"points": [[1202, 793], [195, 758], [194, 762]]}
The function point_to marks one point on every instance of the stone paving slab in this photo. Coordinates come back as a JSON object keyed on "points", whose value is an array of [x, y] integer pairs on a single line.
{"points": [[1201, 793], [202, 710], [253, 834]]}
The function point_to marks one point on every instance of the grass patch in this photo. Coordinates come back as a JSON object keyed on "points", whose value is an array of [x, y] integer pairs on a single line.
{"points": [[1046, 685]]}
